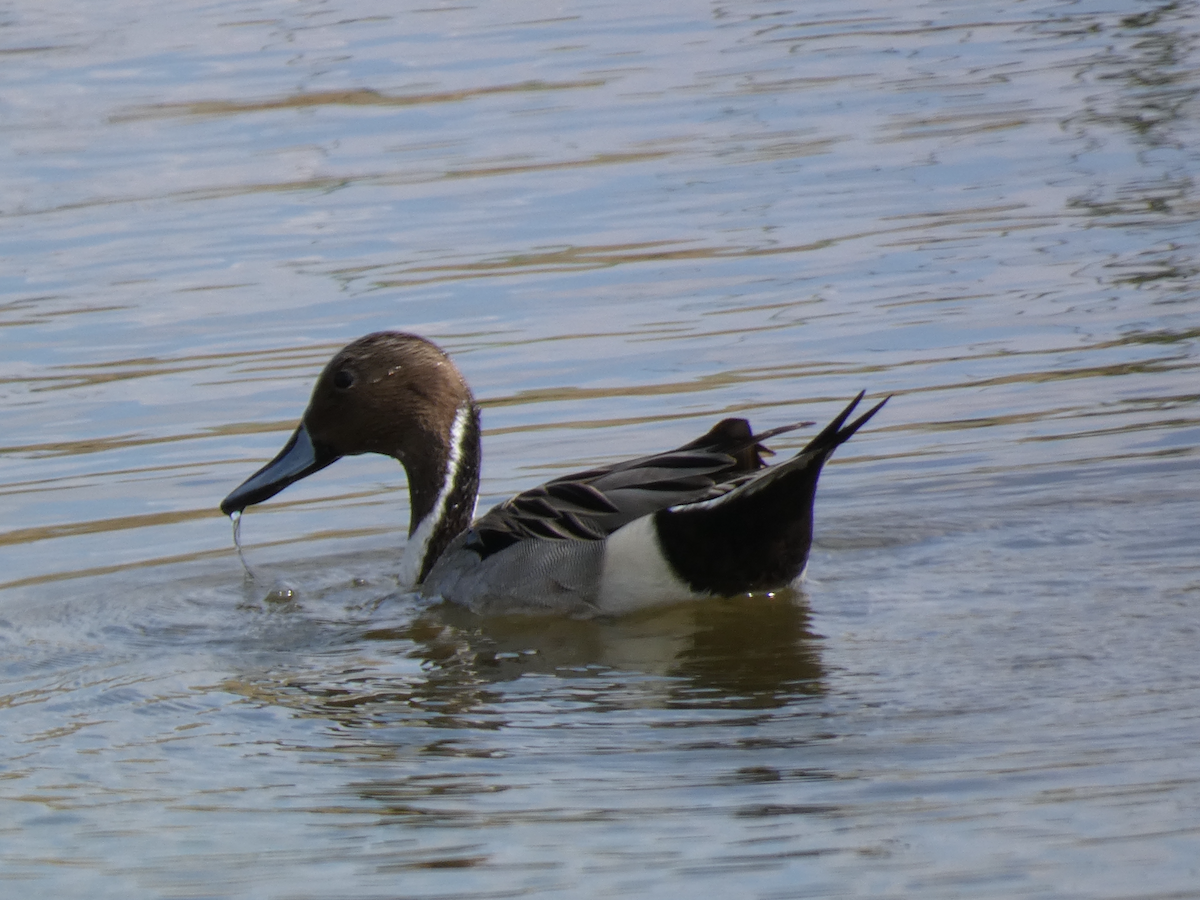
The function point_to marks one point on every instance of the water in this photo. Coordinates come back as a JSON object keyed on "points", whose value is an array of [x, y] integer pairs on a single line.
{"points": [[624, 222]]}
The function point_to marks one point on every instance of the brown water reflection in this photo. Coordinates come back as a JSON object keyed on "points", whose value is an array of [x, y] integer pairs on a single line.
{"points": [[753, 652], [361, 97]]}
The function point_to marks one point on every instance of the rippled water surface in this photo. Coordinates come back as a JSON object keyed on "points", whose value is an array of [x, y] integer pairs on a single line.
{"points": [[625, 221]]}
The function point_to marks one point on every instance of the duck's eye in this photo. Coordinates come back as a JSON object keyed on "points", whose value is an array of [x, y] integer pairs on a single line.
{"points": [[342, 379]]}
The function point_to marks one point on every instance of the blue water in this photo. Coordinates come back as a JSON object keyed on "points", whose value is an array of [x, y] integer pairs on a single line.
{"points": [[624, 222]]}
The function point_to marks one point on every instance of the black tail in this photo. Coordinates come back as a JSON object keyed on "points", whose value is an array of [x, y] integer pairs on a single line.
{"points": [[834, 435], [756, 537]]}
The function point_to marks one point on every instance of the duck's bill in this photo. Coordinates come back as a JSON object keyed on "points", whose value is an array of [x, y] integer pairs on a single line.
{"points": [[298, 458]]}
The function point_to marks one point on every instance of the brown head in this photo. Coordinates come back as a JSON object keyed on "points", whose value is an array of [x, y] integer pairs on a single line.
{"points": [[388, 392]]}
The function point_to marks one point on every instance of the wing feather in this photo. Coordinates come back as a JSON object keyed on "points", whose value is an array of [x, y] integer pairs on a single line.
{"points": [[590, 505]]}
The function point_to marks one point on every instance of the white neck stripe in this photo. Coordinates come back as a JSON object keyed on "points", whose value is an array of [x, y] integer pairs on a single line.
{"points": [[418, 542]]}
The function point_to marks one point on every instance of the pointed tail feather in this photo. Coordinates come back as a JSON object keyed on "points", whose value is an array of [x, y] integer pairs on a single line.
{"points": [[834, 435]]}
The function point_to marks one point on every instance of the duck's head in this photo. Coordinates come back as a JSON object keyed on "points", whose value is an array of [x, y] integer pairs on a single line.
{"points": [[390, 393]]}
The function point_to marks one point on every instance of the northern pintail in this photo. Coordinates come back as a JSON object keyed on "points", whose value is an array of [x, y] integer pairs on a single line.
{"points": [[708, 518]]}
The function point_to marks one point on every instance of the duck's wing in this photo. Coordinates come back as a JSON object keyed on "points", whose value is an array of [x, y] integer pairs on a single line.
{"points": [[590, 505]]}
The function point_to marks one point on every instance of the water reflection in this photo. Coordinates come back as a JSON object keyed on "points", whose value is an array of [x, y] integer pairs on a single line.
{"points": [[755, 652], [1146, 93], [446, 667], [359, 97], [1158, 81]]}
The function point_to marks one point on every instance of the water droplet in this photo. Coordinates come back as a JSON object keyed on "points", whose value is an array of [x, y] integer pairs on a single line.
{"points": [[236, 518], [280, 594]]}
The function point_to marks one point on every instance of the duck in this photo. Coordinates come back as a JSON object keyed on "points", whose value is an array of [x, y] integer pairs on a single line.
{"points": [[707, 519]]}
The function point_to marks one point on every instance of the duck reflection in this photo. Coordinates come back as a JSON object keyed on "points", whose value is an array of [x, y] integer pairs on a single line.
{"points": [[753, 650], [448, 668]]}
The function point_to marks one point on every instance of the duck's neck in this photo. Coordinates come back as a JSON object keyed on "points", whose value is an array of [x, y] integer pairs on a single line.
{"points": [[442, 496]]}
